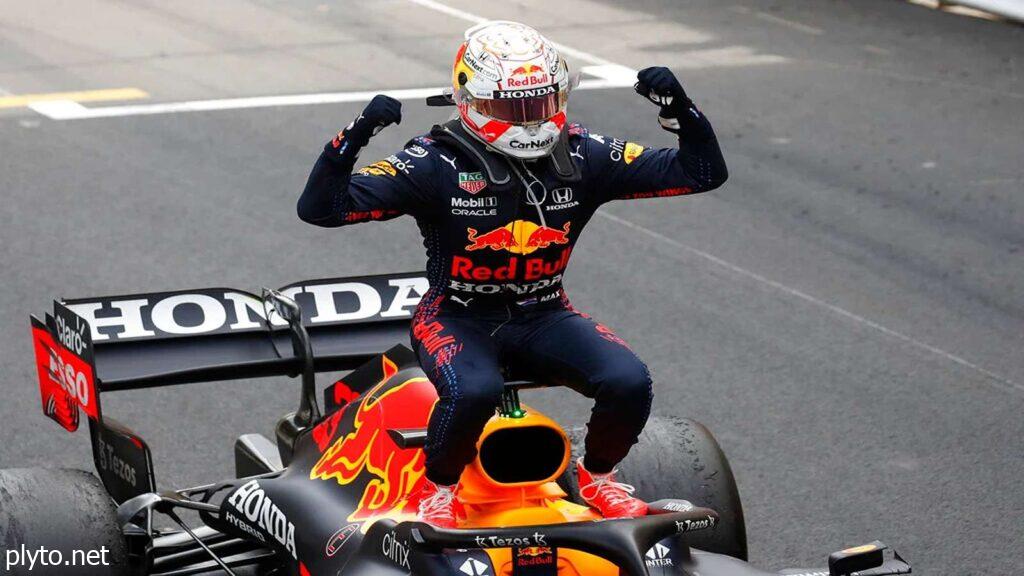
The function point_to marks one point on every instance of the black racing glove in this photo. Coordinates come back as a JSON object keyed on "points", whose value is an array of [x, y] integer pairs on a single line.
{"points": [[381, 112], [678, 114]]}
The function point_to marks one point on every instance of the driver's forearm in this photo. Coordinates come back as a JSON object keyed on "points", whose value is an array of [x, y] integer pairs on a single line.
{"points": [[327, 188], [321, 199], [699, 152]]}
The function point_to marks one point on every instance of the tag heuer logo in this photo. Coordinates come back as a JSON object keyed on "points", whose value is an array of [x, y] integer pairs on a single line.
{"points": [[472, 182]]}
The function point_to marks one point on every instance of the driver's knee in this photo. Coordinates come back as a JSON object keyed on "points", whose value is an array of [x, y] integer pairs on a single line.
{"points": [[481, 392], [626, 381]]}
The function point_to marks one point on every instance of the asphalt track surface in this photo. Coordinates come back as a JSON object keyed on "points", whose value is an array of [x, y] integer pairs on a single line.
{"points": [[846, 313]]}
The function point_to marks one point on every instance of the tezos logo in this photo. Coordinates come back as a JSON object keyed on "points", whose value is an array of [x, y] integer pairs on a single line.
{"points": [[535, 539], [255, 506], [684, 526], [112, 462]]}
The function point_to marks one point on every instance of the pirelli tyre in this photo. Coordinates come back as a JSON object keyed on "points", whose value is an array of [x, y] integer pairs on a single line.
{"points": [[62, 517], [679, 458]]}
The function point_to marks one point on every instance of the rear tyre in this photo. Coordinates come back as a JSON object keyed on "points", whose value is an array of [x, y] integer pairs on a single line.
{"points": [[679, 458], [67, 511]]}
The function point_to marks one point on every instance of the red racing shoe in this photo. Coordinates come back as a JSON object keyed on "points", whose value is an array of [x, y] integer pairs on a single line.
{"points": [[612, 499], [437, 505]]}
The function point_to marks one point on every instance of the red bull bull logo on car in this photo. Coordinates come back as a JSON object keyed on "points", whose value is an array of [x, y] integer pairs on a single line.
{"points": [[367, 453], [518, 237], [534, 560]]}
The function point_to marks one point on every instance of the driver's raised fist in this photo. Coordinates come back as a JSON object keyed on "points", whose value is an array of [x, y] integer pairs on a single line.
{"points": [[381, 112], [659, 85]]}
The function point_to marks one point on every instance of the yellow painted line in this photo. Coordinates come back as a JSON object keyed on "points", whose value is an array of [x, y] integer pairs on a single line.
{"points": [[19, 100]]}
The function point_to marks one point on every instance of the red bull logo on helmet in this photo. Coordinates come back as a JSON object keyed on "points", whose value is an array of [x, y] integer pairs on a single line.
{"points": [[367, 454], [518, 237], [527, 75]]}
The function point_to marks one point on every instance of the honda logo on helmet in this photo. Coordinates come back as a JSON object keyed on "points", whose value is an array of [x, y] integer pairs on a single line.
{"points": [[526, 93]]}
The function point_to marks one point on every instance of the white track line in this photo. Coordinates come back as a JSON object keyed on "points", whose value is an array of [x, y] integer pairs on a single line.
{"points": [[70, 110], [1005, 383], [605, 76]]}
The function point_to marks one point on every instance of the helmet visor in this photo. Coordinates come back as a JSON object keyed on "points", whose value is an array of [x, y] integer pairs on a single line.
{"points": [[521, 110]]}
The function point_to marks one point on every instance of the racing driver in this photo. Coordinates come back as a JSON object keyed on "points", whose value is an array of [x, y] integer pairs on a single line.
{"points": [[500, 194]]}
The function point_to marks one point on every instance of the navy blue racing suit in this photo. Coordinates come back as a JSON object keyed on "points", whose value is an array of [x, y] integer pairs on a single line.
{"points": [[496, 252]]}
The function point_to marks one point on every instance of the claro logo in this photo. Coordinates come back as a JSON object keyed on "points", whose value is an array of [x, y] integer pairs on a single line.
{"points": [[212, 311], [254, 506]]}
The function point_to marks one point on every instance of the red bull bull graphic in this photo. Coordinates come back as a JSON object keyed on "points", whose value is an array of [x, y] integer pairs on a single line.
{"points": [[527, 69], [367, 453], [324, 432], [518, 237]]}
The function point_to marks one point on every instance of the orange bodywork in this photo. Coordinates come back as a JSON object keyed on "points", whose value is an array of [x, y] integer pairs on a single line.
{"points": [[491, 504]]}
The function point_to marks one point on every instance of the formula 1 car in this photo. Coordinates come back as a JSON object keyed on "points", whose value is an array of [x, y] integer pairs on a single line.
{"points": [[334, 492]]}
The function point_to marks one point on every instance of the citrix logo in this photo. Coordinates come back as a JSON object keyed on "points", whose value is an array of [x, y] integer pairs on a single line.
{"points": [[394, 550]]}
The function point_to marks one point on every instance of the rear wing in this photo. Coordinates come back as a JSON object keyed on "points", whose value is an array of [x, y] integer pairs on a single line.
{"points": [[164, 338], [89, 346]]}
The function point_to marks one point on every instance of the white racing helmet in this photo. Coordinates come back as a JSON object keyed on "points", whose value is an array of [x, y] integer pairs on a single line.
{"points": [[511, 87]]}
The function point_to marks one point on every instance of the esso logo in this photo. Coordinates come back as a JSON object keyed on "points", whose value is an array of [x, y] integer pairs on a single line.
{"points": [[74, 382]]}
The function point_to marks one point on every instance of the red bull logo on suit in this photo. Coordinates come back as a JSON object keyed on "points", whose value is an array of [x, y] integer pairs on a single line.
{"points": [[518, 237]]}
